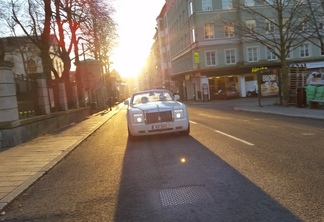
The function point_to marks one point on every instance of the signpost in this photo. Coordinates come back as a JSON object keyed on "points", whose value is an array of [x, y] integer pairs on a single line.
{"points": [[268, 82]]}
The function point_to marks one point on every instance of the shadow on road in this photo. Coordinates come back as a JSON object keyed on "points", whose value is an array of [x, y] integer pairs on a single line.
{"points": [[176, 178]]}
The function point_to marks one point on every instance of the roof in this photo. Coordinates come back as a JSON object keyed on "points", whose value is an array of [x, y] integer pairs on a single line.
{"points": [[11, 43]]}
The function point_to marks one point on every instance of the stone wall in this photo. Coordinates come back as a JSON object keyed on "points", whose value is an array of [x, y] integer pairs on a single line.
{"points": [[17, 132], [8, 99]]}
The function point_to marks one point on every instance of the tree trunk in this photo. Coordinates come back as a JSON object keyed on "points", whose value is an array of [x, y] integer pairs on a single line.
{"points": [[284, 83]]}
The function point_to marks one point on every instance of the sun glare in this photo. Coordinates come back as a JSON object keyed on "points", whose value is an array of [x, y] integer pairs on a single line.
{"points": [[129, 59], [136, 29]]}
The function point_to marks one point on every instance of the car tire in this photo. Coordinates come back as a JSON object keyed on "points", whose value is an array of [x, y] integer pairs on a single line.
{"points": [[249, 94]]}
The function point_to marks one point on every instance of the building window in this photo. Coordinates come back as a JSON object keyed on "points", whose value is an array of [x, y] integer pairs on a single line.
{"points": [[206, 5], [211, 58], [193, 35], [269, 26], [249, 2], [304, 50], [31, 66], [190, 8], [209, 31], [271, 55], [229, 30], [252, 54], [227, 4], [250, 25], [230, 57]]}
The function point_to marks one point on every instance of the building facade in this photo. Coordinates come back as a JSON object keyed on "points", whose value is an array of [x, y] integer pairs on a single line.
{"points": [[204, 44], [24, 57]]}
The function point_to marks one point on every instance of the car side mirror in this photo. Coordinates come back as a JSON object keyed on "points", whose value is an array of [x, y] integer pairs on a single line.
{"points": [[176, 97], [126, 102]]}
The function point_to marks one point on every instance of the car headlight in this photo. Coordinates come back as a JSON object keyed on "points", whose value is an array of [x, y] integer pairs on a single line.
{"points": [[179, 113], [138, 118]]}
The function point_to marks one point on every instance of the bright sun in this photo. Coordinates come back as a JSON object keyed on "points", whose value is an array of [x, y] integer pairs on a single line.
{"points": [[129, 57], [136, 29]]}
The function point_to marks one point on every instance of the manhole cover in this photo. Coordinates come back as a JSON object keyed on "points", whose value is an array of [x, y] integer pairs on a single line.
{"points": [[184, 195]]}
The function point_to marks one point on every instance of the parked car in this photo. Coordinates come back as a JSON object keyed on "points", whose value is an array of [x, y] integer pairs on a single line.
{"points": [[156, 111], [227, 93]]}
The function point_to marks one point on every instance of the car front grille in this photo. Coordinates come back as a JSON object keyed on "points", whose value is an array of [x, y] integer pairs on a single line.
{"points": [[159, 117]]}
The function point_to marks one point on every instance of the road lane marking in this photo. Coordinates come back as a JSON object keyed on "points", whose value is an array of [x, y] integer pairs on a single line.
{"points": [[216, 117], [235, 138], [225, 134]]}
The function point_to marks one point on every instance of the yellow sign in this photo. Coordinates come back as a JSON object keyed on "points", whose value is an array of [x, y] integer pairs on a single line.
{"points": [[259, 69], [196, 57]]}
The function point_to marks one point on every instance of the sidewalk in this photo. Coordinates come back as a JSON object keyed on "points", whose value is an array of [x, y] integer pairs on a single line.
{"points": [[271, 106], [22, 165]]}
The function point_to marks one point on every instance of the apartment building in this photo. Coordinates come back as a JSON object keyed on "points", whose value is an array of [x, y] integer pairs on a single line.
{"points": [[207, 45]]}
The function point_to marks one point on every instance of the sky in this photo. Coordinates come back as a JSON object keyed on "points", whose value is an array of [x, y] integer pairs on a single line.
{"points": [[136, 28]]}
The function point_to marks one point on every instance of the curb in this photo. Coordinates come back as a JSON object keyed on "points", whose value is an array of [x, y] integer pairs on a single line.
{"points": [[283, 113]]}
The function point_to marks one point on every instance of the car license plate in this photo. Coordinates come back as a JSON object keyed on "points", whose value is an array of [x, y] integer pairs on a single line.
{"points": [[160, 126]]}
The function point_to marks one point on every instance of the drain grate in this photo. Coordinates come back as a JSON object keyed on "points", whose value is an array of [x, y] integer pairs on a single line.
{"points": [[184, 195]]}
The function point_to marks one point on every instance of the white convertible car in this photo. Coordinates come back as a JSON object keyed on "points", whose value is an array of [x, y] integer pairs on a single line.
{"points": [[156, 112]]}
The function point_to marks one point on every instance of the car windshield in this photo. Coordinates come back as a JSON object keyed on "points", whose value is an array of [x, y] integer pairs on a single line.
{"points": [[151, 96]]}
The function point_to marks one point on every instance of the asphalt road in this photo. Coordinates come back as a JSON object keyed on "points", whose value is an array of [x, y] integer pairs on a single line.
{"points": [[234, 166]]}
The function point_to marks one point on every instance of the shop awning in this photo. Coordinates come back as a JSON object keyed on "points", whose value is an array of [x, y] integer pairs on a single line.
{"points": [[314, 65]]}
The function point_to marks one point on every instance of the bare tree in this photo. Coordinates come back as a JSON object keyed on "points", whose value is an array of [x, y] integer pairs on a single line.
{"points": [[316, 22], [65, 26], [279, 25], [27, 51], [37, 26], [87, 20], [99, 30]]}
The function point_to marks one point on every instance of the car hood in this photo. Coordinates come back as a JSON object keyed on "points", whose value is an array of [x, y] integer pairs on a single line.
{"points": [[160, 106]]}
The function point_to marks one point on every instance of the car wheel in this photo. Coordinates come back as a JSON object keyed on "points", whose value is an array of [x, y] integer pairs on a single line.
{"points": [[249, 94]]}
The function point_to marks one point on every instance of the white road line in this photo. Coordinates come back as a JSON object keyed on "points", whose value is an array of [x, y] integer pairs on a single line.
{"points": [[225, 134]]}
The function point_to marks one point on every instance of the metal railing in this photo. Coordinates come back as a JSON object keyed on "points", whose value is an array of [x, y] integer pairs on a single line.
{"points": [[26, 92]]}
